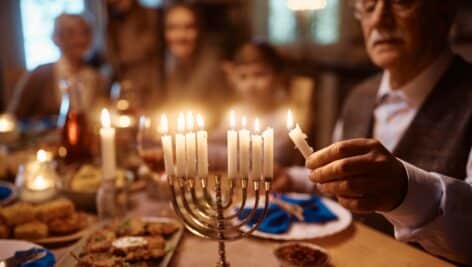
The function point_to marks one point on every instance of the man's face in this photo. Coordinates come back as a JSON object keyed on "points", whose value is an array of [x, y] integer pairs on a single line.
{"points": [[73, 38], [395, 31], [181, 33]]}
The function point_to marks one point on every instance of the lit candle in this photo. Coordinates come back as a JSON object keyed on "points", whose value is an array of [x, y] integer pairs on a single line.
{"points": [[180, 147], [244, 143], [268, 136], [191, 147], [298, 137], [256, 151], [202, 148], [167, 147], [7, 123], [39, 183], [232, 150], [107, 136]]}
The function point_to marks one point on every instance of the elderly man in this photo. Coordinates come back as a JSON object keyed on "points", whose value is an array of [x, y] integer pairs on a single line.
{"points": [[417, 169]]}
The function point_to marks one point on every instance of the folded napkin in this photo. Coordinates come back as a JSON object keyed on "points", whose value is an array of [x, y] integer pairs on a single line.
{"points": [[278, 221], [47, 260]]}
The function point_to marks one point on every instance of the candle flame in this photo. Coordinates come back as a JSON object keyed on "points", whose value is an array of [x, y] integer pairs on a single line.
{"points": [[105, 118], [42, 155], [164, 124], [244, 121], [232, 119], [181, 122], [189, 121], [289, 120], [257, 125], [200, 122], [39, 183]]}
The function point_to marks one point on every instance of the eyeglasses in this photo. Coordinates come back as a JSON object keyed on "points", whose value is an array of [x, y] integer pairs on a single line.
{"points": [[365, 8]]}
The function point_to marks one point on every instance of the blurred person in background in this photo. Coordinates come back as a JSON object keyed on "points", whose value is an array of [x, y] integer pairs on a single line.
{"points": [[132, 48], [194, 76], [39, 93]]}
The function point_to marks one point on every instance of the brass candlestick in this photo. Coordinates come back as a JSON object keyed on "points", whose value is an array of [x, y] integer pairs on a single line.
{"points": [[208, 216]]}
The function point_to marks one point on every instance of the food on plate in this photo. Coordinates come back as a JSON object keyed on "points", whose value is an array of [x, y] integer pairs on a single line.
{"points": [[18, 213], [67, 225], [4, 231], [60, 208], [301, 255], [31, 230], [127, 243], [87, 179]]}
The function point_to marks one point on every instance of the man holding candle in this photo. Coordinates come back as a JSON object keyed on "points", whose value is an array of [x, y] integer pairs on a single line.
{"points": [[406, 149]]}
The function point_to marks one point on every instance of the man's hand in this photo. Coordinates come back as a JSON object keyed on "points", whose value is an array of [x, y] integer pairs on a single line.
{"points": [[361, 173]]}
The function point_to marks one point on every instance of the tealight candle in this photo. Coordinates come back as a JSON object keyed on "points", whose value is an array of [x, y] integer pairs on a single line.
{"points": [[298, 137], [232, 149], [202, 148], [180, 157], [256, 151], [244, 147], [167, 147], [107, 136]]}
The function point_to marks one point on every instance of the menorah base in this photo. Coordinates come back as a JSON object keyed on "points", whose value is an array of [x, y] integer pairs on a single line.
{"points": [[222, 255]]}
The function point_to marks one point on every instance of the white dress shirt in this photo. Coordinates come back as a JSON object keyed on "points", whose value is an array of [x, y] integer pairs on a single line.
{"points": [[437, 210]]}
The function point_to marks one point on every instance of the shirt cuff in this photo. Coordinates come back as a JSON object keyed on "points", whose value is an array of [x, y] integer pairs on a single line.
{"points": [[422, 201], [300, 179]]}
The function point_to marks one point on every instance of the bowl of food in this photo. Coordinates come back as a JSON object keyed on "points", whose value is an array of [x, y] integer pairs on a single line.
{"points": [[301, 254]]}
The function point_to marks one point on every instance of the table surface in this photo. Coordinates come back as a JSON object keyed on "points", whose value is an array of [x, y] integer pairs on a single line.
{"points": [[359, 245]]}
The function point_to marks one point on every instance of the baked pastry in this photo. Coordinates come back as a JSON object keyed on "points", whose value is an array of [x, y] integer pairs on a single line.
{"points": [[67, 225], [165, 229], [100, 241], [131, 227], [60, 208], [4, 231], [31, 230], [18, 213]]}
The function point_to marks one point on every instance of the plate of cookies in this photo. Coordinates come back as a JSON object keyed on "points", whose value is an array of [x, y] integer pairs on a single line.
{"points": [[148, 241], [52, 222]]}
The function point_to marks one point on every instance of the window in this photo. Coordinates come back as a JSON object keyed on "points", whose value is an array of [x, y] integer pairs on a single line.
{"points": [[323, 24], [37, 18]]}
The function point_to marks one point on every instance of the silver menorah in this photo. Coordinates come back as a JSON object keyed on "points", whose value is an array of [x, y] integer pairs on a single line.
{"points": [[211, 215]]}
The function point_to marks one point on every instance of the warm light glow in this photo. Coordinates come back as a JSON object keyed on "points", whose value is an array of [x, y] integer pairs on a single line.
{"points": [[181, 123], [257, 125], [289, 120], [7, 124], [39, 183], [190, 121], [243, 122], [232, 119], [105, 118], [122, 104], [124, 121], [200, 122], [306, 5], [164, 124], [43, 156]]}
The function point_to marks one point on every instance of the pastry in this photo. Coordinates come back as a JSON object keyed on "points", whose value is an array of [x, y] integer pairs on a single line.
{"points": [[60, 208], [67, 225], [131, 227], [18, 213], [31, 231], [165, 229]]}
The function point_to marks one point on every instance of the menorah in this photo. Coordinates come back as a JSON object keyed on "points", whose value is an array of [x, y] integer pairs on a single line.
{"points": [[211, 215]]}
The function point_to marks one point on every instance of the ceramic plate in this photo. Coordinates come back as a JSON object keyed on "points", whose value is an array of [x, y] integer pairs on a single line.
{"points": [[9, 247]]}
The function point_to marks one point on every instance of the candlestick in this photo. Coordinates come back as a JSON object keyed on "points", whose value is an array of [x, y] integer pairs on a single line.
{"points": [[256, 151], [180, 147], [167, 147], [268, 136], [191, 147], [298, 137], [232, 150], [107, 136], [202, 148], [244, 147]]}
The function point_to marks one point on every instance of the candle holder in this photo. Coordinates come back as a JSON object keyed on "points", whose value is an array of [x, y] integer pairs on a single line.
{"points": [[209, 215]]}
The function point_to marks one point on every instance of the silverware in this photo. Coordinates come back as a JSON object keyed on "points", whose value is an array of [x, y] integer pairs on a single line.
{"points": [[27, 256]]}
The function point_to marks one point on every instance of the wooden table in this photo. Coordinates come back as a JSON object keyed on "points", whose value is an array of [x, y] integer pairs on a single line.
{"points": [[358, 246]]}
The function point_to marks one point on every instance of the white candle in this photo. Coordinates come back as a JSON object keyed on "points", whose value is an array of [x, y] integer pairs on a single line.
{"points": [[244, 147], [167, 147], [107, 136], [268, 136], [202, 148], [256, 152], [191, 147], [180, 147], [232, 150], [298, 137]]}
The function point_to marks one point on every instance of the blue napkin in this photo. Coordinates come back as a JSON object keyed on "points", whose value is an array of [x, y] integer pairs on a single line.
{"points": [[47, 261], [5, 192], [278, 221]]}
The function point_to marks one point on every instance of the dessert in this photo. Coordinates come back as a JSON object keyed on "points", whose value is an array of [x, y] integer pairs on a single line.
{"points": [[18, 213], [67, 225]]}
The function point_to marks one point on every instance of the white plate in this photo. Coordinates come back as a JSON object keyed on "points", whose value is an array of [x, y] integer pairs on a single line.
{"points": [[9, 247], [305, 231]]}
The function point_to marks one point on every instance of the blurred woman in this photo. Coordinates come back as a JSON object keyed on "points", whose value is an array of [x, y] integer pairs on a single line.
{"points": [[193, 73], [39, 93]]}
